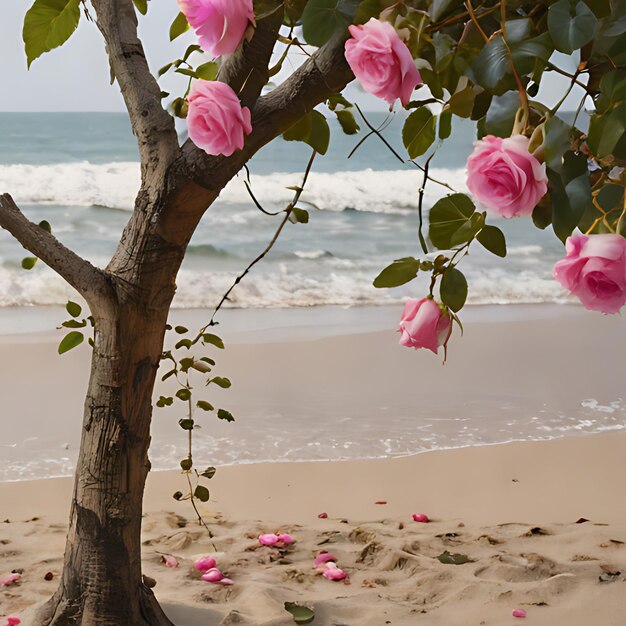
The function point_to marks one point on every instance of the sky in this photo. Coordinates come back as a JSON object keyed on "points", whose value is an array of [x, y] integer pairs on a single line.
{"points": [[75, 77]]}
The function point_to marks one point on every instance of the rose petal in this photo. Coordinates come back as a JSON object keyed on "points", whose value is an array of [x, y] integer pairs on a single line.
{"points": [[270, 539], [170, 561], [421, 517], [213, 575], [322, 558], [285, 539], [519, 613], [11, 579], [205, 563], [13, 621], [323, 515]]}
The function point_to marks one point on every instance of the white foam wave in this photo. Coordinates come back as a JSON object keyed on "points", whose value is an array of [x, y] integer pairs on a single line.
{"points": [[339, 282], [114, 185]]}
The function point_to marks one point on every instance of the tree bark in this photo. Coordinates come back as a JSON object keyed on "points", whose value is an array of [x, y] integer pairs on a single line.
{"points": [[130, 300], [102, 579]]}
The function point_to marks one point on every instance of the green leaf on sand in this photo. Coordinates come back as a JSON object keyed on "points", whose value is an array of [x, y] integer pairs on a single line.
{"points": [[301, 614]]}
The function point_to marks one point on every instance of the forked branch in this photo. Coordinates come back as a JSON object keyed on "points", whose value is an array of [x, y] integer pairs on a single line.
{"points": [[88, 280], [151, 124]]}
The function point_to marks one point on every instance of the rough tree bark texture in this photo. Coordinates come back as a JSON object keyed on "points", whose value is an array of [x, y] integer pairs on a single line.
{"points": [[130, 300]]}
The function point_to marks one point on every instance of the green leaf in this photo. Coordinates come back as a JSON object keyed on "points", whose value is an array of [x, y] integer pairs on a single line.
{"points": [[74, 324], [179, 26], [448, 558], [462, 102], [347, 121], [453, 289], [398, 273], [184, 343], [214, 340], [207, 71], [492, 66], [73, 309], [439, 8], [208, 473], [183, 394], [418, 132], [607, 132], [500, 116], [204, 405], [222, 382], [45, 225], [201, 366], [299, 216], [70, 341], [49, 24], [202, 493], [186, 423], [448, 216], [557, 143], [29, 262], [186, 464], [164, 401], [321, 18], [445, 124], [301, 614], [311, 129], [223, 414], [571, 25], [142, 6], [492, 238], [181, 330]]}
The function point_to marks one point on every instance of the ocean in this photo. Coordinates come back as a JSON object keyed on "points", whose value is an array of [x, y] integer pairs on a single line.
{"points": [[80, 172]]}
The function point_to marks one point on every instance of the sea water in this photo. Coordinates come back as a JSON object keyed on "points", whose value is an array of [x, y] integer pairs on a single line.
{"points": [[80, 172]]}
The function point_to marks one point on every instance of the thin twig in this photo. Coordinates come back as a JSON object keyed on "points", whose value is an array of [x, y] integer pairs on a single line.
{"points": [[268, 248], [421, 204]]}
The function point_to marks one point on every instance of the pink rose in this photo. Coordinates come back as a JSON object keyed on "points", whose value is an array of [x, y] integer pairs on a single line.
{"points": [[381, 61], [594, 270], [216, 120], [219, 24], [424, 325], [505, 177], [213, 575]]}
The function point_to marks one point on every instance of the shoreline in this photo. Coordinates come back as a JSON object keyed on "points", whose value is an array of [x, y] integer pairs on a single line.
{"points": [[252, 477], [334, 384]]}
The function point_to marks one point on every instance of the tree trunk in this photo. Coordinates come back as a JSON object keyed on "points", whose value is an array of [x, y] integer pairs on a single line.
{"points": [[102, 579]]}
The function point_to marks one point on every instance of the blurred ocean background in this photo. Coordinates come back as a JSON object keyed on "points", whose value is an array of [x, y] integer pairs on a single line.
{"points": [[80, 172]]}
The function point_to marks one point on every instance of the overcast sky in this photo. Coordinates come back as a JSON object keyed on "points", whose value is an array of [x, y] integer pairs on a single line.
{"points": [[75, 77]]}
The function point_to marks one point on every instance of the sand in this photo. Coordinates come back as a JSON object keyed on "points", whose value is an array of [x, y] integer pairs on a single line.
{"points": [[511, 509]]}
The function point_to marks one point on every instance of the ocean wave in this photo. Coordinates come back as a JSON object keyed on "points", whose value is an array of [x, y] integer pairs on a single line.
{"points": [[287, 285], [114, 185]]}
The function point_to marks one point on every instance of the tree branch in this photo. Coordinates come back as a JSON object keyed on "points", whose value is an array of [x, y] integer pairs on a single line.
{"points": [[246, 71], [151, 124], [324, 74], [89, 281]]}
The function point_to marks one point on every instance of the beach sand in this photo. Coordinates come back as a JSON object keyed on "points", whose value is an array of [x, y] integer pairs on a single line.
{"points": [[512, 509]]}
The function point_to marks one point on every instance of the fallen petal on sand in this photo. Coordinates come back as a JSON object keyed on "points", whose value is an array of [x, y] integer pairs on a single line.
{"points": [[205, 563], [11, 579], [421, 517], [322, 558], [519, 613], [332, 572], [170, 561], [270, 539]]}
